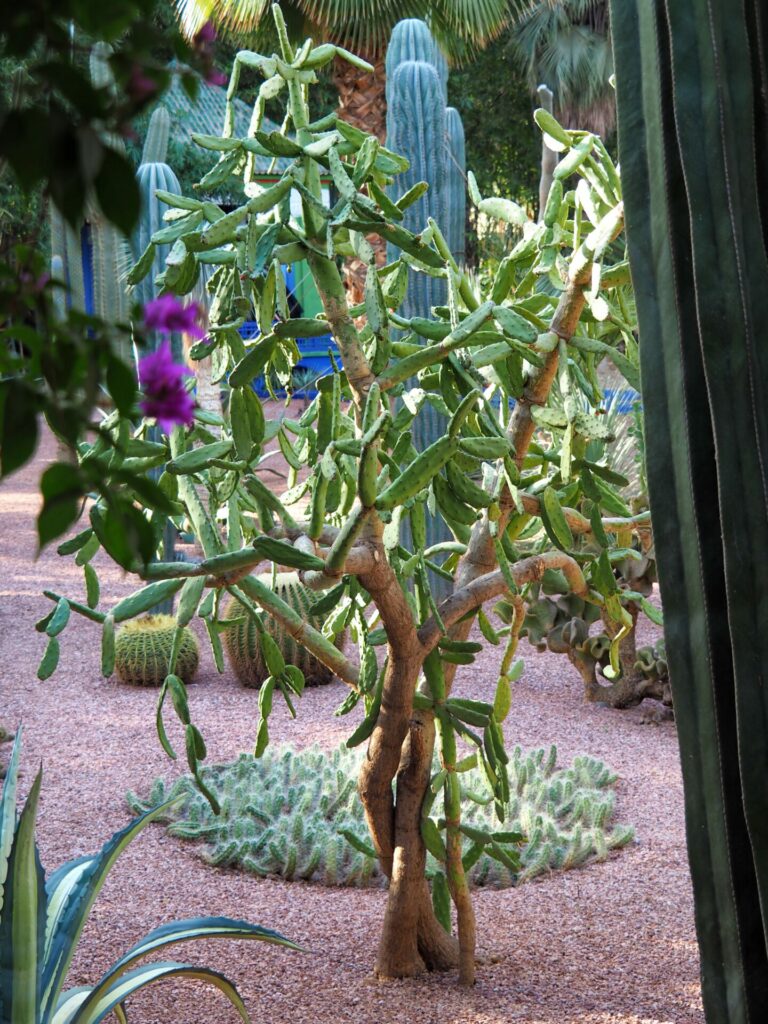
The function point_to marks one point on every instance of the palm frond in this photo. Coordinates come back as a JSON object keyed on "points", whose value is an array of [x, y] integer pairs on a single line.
{"points": [[461, 27]]}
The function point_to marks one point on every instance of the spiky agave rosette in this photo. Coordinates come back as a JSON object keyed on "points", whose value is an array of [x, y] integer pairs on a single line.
{"points": [[241, 640], [143, 648]]}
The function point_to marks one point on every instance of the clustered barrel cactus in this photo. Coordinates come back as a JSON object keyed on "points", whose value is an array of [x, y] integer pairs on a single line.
{"points": [[516, 485]]}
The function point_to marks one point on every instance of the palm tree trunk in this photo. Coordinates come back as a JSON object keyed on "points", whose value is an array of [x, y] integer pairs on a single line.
{"points": [[362, 99], [362, 102]]}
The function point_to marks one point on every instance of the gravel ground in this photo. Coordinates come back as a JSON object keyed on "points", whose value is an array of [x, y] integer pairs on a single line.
{"points": [[611, 943]]}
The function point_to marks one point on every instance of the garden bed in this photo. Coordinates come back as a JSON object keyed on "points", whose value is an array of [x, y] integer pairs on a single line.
{"points": [[611, 942]]}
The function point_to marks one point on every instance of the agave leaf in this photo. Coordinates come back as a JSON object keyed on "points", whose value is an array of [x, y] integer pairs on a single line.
{"points": [[93, 1012], [71, 890], [8, 812], [180, 931], [23, 921]]}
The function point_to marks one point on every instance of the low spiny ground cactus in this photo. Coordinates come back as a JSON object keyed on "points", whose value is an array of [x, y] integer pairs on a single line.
{"points": [[143, 647], [241, 640], [295, 814]]}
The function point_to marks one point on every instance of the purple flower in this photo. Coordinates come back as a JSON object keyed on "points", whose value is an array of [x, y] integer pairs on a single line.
{"points": [[215, 77], [162, 381], [166, 315], [140, 86], [205, 36]]}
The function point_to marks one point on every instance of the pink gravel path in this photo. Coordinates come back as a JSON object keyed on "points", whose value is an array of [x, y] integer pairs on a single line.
{"points": [[612, 943]]}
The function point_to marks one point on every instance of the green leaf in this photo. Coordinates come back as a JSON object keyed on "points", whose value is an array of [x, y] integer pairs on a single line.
{"points": [[49, 660], [554, 520], [145, 599], [117, 191], [108, 646], [22, 925], [282, 553], [139, 978], [62, 488], [72, 889], [441, 900], [121, 384], [8, 812]]}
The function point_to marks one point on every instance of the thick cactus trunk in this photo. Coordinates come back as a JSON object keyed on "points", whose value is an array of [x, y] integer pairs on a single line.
{"points": [[692, 132]]}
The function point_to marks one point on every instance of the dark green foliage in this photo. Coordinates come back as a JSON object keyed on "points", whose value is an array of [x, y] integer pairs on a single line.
{"points": [[504, 150], [286, 813], [241, 640], [693, 155], [143, 648]]}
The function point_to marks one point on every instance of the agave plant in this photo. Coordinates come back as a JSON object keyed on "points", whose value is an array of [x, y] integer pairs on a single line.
{"points": [[41, 922]]}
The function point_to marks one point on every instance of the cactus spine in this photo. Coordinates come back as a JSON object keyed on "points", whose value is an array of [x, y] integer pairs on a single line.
{"points": [[241, 640], [143, 648]]}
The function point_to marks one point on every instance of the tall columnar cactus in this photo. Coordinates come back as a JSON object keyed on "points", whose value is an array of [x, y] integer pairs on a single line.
{"points": [[153, 174], [241, 640], [455, 184], [696, 180], [416, 127], [110, 254], [420, 127], [412, 40]]}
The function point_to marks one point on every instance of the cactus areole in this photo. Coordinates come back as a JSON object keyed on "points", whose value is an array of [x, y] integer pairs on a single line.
{"points": [[519, 513]]}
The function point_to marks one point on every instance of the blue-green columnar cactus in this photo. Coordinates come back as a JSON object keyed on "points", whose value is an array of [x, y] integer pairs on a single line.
{"points": [[416, 128], [455, 184], [412, 40], [109, 255], [153, 174]]}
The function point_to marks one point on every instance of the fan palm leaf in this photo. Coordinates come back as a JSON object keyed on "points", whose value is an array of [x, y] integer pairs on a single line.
{"points": [[566, 44], [460, 26]]}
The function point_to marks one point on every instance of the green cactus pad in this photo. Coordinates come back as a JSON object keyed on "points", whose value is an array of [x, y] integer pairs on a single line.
{"points": [[241, 640], [142, 649]]}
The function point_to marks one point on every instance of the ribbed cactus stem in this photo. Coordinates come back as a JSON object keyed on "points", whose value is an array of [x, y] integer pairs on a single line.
{"points": [[416, 127], [455, 202], [153, 175], [156, 143], [241, 640], [143, 648], [60, 294], [412, 40], [101, 73]]}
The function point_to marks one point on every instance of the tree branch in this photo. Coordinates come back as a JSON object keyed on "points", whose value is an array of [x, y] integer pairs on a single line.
{"points": [[580, 524], [314, 641], [493, 584]]}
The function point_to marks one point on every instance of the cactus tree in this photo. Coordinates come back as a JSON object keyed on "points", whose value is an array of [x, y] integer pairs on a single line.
{"points": [[693, 153], [518, 513]]}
